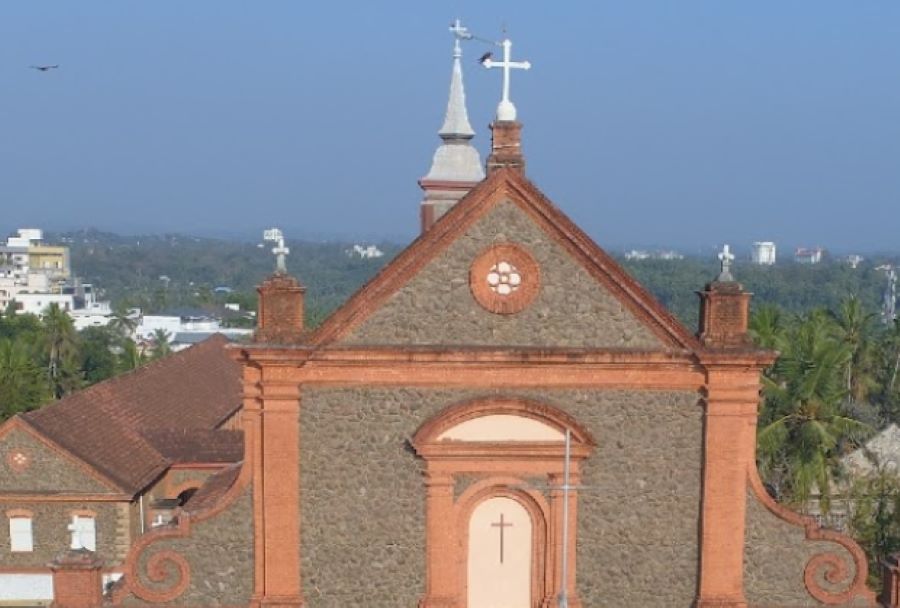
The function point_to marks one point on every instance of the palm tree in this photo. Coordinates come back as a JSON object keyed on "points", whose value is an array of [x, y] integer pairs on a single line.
{"points": [[768, 327], [131, 356], [806, 428], [855, 328], [61, 345], [122, 321], [892, 344], [161, 345], [22, 385]]}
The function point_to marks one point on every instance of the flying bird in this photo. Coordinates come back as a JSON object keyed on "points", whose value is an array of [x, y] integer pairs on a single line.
{"points": [[44, 68], [485, 57]]}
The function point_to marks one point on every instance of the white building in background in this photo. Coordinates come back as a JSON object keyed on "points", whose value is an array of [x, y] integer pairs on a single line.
{"points": [[763, 253], [34, 275], [185, 328], [854, 260], [366, 252], [151, 323], [808, 255], [37, 303], [662, 254]]}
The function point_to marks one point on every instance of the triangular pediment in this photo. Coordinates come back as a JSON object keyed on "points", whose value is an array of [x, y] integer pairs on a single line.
{"points": [[504, 268], [34, 464]]}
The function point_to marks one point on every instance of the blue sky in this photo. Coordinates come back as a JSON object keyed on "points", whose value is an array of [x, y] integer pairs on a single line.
{"points": [[679, 123]]}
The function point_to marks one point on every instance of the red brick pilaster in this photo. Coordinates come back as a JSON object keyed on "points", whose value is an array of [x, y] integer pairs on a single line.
{"points": [[277, 491], [732, 397], [557, 480], [442, 567], [77, 580], [890, 577], [732, 387]]}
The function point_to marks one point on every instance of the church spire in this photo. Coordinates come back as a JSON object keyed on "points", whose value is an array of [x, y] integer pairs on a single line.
{"points": [[456, 121], [456, 166]]}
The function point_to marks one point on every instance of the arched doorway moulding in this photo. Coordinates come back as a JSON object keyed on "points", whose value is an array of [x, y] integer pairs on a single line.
{"points": [[503, 468]]}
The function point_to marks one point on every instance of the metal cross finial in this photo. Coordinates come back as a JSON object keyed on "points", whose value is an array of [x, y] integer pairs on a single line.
{"points": [[460, 32], [726, 258], [275, 235], [506, 110]]}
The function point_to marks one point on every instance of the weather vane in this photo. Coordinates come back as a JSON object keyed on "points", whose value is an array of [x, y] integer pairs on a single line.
{"points": [[275, 235], [460, 32], [505, 110]]}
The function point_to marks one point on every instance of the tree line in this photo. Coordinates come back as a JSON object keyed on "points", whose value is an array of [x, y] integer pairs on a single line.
{"points": [[42, 359], [834, 385]]}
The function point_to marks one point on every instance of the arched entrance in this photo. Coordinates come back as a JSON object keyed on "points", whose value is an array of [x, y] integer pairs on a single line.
{"points": [[494, 504], [499, 563]]}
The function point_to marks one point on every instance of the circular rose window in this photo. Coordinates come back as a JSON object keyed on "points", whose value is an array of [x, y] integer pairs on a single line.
{"points": [[504, 279], [18, 460]]}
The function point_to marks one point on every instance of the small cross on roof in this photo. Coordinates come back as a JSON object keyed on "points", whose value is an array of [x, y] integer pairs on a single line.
{"points": [[726, 258]]}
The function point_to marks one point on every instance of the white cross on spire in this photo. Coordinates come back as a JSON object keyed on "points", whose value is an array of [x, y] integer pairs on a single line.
{"points": [[506, 110]]}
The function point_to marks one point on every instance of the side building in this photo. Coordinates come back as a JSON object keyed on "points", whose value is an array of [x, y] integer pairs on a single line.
{"points": [[99, 468]]}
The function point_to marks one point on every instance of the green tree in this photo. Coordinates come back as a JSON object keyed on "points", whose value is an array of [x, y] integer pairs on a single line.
{"points": [[22, 382], [889, 376], [855, 328], [875, 517], [804, 428], [122, 321], [130, 356], [161, 343], [98, 362], [768, 327], [60, 345]]}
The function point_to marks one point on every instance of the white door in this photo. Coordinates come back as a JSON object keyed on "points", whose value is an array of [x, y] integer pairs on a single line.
{"points": [[499, 562], [30, 588]]}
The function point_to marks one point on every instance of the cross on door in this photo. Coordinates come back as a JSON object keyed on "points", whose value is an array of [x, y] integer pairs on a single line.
{"points": [[501, 524]]}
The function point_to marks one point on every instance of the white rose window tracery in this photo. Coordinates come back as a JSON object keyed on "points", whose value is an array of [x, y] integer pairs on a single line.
{"points": [[504, 278], [18, 460]]}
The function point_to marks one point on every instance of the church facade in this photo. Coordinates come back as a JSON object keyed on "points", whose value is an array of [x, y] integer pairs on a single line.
{"points": [[501, 418]]}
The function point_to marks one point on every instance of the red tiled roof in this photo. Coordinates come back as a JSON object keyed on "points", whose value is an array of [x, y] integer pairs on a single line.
{"points": [[198, 388], [197, 445]]}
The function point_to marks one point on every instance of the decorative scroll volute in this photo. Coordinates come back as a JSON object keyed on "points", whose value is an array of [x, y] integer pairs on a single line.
{"points": [[844, 571]]}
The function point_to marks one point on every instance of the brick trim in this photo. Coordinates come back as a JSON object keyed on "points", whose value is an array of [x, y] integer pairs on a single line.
{"points": [[505, 466], [505, 184]]}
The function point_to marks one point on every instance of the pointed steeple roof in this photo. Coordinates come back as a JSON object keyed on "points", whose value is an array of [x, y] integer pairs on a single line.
{"points": [[456, 121], [456, 160]]}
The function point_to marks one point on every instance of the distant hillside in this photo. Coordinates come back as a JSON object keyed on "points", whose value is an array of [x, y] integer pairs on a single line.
{"points": [[159, 272], [129, 269]]}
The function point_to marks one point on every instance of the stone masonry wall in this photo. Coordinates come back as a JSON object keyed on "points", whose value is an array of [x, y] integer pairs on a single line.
{"points": [[363, 495], [220, 554], [437, 307], [775, 556], [47, 471], [49, 525]]}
